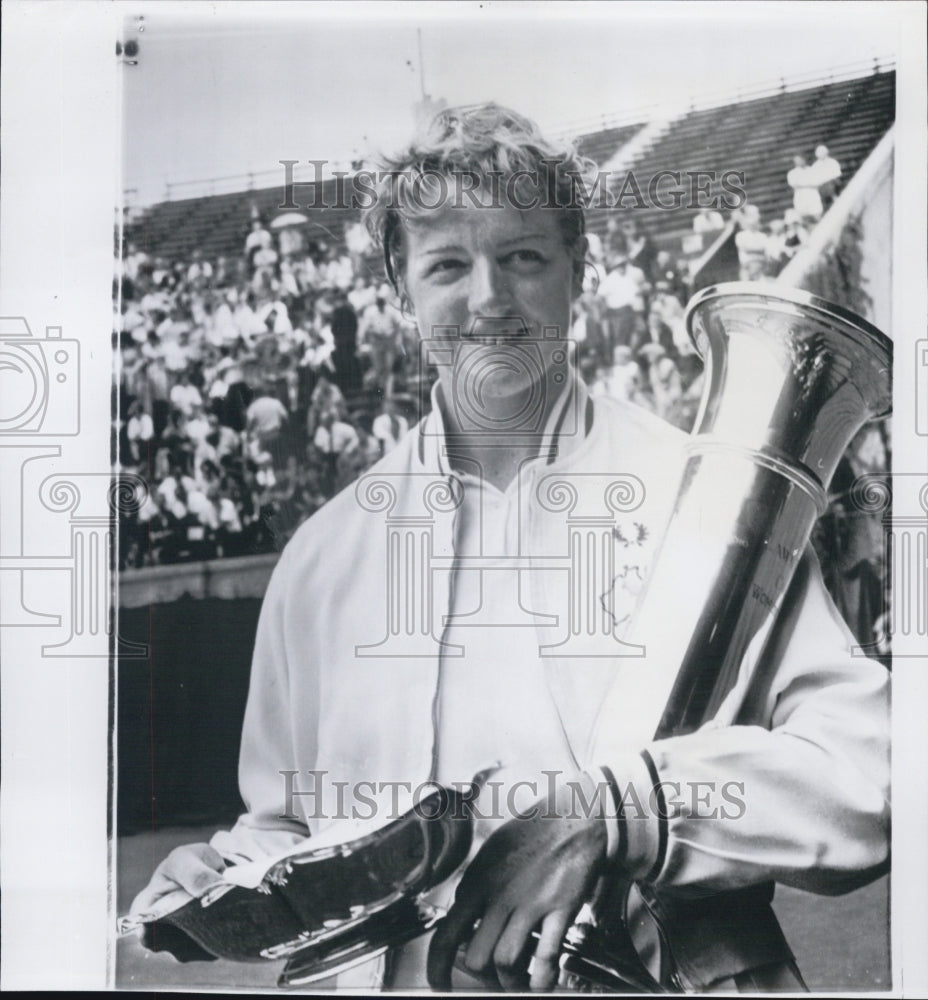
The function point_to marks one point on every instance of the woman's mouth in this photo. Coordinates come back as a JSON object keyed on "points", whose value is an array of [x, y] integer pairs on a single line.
{"points": [[498, 331]]}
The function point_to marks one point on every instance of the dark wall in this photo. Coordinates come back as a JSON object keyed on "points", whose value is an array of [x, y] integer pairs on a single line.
{"points": [[179, 712]]}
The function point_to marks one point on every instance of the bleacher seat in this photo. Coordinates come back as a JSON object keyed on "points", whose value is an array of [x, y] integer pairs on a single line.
{"points": [[757, 137]]}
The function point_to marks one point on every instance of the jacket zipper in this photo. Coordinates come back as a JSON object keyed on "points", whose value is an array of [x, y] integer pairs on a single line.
{"points": [[449, 603], [677, 976]]}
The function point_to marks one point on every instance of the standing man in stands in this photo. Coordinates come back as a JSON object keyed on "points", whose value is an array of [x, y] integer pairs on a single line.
{"points": [[622, 293], [380, 335], [827, 173], [804, 182]]}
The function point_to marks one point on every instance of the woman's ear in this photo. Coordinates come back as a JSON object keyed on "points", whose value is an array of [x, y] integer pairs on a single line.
{"points": [[578, 252], [406, 307]]}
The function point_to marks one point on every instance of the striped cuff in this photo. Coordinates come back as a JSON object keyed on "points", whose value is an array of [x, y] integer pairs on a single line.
{"points": [[657, 811], [634, 813], [606, 790]]}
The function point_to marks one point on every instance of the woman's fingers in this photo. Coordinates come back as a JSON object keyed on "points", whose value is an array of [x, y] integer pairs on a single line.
{"points": [[514, 951], [480, 952], [546, 963], [195, 868], [449, 934]]}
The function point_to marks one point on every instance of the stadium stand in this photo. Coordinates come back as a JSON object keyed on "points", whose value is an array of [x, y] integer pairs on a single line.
{"points": [[249, 390], [756, 137], [601, 146]]}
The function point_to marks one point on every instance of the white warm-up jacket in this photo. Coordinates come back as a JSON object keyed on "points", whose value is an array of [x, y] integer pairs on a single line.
{"points": [[346, 667]]}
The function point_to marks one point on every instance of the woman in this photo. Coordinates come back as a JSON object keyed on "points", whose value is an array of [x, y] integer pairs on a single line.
{"points": [[482, 228]]}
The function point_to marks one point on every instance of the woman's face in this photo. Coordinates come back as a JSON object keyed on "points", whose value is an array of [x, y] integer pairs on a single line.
{"points": [[498, 283]]}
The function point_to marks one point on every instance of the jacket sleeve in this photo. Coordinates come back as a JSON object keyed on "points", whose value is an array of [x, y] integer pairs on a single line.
{"points": [[797, 791], [268, 826]]}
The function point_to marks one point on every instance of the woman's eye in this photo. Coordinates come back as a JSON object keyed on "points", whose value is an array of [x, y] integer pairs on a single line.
{"points": [[447, 266], [525, 260]]}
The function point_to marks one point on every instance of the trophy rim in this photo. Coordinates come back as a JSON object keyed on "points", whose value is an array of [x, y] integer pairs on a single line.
{"points": [[761, 290]]}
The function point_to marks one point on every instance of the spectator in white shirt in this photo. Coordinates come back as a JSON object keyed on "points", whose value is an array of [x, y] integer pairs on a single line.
{"points": [[389, 426], [289, 284], [197, 426], [229, 519], [623, 381], [168, 487], [776, 250], [258, 237], [264, 419], [319, 347], [224, 330], [134, 260], [274, 316], [247, 322], [622, 292], [380, 335], [264, 259], [708, 220], [361, 295], [176, 356], [290, 242], [140, 429], [333, 438], [827, 172], [339, 270], [223, 440], [200, 270], [185, 396], [751, 242], [804, 182], [358, 241], [199, 504], [133, 322]]}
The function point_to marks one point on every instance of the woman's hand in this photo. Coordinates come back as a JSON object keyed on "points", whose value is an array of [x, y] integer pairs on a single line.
{"points": [[534, 872], [188, 872]]}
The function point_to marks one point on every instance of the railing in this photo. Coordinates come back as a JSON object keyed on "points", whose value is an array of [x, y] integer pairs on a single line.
{"points": [[236, 577], [303, 173], [722, 96]]}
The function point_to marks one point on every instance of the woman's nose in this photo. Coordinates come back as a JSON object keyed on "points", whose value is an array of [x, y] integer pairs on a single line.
{"points": [[489, 293]]}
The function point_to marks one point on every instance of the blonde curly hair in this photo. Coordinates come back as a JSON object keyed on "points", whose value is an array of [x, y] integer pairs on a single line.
{"points": [[490, 146]]}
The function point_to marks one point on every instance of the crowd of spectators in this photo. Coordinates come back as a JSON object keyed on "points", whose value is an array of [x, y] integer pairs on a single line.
{"points": [[764, 251], [253, 388]]}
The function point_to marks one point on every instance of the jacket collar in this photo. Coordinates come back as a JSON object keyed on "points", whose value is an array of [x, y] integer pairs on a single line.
{"points": [[567, 427]]}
